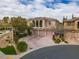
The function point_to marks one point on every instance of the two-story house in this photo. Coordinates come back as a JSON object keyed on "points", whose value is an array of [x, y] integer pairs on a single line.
{"points": [[71, 29], [71, 24]]}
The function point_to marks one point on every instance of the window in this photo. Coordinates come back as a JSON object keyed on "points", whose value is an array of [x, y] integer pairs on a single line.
{"points": [[36, 23], [49, 23], [69, 23], [78, 25], [40, 23]]}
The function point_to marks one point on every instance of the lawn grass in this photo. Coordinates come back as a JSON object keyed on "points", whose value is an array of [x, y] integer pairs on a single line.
{"points": [[9, 50]]}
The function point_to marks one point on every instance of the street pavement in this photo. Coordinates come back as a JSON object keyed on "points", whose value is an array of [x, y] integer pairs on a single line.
{"points": [[55, 52]]}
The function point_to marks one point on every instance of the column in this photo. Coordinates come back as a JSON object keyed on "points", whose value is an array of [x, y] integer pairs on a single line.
{"points": [[38, 23], [38, 27], [43, 23]]}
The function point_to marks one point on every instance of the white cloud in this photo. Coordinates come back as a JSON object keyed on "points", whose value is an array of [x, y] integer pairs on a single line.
{"points": [[68, 9], [15, 8], [50, 0], [59, 11]]}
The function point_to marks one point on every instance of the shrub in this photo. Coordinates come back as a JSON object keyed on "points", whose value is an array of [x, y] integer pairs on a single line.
{"points": [[29, 32], [57, 41], [65, 41], [9, 50], [22, 46]]}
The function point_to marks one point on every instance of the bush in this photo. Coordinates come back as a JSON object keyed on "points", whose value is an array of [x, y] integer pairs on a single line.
{"points": [[29, 32], [65, 41], [9, 50], [22, 46], [57, 41], [18, 35]]}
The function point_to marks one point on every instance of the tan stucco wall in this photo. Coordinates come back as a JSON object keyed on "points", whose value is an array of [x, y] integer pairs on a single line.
{"points": [[71, 36], [66, 26], [3, 38], [52, 25], [75, 26], [59, 26]]}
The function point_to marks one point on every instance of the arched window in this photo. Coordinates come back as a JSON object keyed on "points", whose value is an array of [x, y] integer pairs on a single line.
{"points": [[36, 23], [40, 23]]}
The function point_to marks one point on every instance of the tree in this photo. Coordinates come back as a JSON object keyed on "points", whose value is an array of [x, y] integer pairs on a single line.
{"points": [[19, 25], [5, 19], [5, 25]]}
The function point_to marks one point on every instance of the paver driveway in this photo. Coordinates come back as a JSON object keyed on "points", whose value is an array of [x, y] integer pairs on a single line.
{"points": [[36, 41]]}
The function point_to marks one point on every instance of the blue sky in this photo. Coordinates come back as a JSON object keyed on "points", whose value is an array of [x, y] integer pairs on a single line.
{"points": [[39, 8], [47, 3]]}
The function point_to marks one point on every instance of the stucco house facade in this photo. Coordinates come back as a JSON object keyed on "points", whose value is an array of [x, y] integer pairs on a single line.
{"points": [[71, 29], [72, 24], [42, 23]]}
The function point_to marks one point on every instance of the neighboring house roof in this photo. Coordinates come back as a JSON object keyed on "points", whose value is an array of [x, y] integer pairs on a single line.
{"points": [[43, 18], [72, 20]]}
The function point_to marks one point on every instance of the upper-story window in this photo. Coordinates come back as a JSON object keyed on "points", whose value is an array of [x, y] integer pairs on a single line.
{"points": [[36, 23], [49, 23], [40, 23], [69, 23]]}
